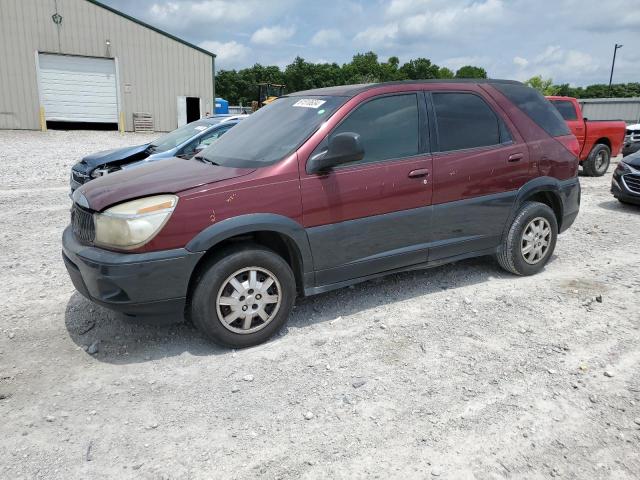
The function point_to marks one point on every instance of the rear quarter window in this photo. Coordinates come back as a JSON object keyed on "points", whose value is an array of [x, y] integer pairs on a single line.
{"points": [[538, 108]]}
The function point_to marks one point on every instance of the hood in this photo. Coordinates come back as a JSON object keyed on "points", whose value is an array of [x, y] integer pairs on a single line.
{"points": [[115, 155], [633, 160], [635, 126], [170, 176]]}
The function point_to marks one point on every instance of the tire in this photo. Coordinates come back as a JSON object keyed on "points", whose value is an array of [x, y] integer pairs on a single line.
{"points": [[510, 253], [597, 163], [214, 282]]}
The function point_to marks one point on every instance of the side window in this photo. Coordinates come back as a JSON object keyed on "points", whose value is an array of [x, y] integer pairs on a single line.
{"points": [[566, 109], [465, 120], [388, 127], [208, 139]]}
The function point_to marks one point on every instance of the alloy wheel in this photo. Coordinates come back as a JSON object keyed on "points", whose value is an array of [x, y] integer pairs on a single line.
{"points": [[536, 239], [601, 161], [248, 300]]}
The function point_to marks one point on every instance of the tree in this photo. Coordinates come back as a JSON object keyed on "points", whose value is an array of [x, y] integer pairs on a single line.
{"points": [[469, 71], [544, 85], [240, 86], [419, 69], [363, 68], [444, 72]]}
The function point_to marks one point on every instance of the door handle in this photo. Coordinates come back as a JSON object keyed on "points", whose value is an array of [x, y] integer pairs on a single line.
{"points": [[516, 157], [420, 172]]}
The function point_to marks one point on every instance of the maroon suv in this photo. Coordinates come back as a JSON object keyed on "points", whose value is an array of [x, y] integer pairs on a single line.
{"points": [[322, 189]]}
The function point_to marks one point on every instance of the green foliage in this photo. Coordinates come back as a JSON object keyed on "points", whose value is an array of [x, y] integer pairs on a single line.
{"points": [[469, 71], [618, 90], [600, 90], [240, 86], [544, 85]]}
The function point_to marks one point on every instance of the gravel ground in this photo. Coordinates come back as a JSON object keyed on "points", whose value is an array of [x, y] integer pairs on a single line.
{"points": [[461, 371]]}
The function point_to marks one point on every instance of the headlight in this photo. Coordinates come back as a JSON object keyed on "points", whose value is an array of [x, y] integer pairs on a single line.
{"points": [[623, 168], [132, 224], [99, 172]]}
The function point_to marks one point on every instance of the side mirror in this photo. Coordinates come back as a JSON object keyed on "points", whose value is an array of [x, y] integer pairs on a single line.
{"points": [[344, 147]]}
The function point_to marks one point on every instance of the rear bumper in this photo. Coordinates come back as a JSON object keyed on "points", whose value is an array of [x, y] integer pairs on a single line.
{"points": [[570, 194], [149, 284]]}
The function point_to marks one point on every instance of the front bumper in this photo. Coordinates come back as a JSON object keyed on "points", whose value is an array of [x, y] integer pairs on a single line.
{"points": [[145, 284], [621, 191]]}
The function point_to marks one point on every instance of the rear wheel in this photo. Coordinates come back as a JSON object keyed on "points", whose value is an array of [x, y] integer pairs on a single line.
{"points": [[597, 163], [531, 240], [244, 297]]}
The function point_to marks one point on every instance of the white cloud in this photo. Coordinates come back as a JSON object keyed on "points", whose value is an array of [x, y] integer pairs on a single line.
{"points": [[170, 12], [228, 54], [326, 37], [272, 35], [373, 37], [520, 61], [556, 62], [417, 20], [399, 8], [451, 20]]}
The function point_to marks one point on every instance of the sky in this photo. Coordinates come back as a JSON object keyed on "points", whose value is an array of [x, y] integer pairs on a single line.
{"points": [[570, 41]]}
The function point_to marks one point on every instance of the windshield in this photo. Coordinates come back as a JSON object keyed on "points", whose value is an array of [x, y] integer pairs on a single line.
{"points": [[272, 132], [181, 135]]}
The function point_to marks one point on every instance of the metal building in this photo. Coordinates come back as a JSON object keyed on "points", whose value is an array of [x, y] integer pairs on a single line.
{"points": [[81, 61], [627, 109]]}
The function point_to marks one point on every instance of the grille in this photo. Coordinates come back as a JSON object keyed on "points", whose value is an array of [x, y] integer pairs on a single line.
{"points": [[82, 224], [633, 182]]}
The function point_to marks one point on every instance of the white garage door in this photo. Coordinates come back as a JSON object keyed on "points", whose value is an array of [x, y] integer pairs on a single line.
{"points": [[78, 89]]}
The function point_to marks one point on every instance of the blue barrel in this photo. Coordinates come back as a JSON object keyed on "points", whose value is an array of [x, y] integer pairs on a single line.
{"points": [[222, 106]]}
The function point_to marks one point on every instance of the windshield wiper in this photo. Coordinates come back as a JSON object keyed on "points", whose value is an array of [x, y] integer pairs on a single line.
{"points": [[205, 160]]}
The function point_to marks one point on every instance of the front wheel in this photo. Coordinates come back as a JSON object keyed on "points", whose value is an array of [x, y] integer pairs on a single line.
{"points": [[531, 240], [597, 163], [243, 297]]}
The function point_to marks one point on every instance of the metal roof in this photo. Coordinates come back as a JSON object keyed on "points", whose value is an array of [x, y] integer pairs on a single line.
{"points": [[353, 90], [157, 30]]}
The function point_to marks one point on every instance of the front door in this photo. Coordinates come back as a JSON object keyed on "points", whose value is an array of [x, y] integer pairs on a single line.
{"points": [[373, 215], [479, 163]]}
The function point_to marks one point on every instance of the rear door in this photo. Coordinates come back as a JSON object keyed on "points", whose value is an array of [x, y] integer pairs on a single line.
{"points": [[479, 163], [373, 215]]}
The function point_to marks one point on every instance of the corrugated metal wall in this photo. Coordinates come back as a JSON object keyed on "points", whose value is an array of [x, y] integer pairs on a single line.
{"points": [[153, 69], [627, 109]]}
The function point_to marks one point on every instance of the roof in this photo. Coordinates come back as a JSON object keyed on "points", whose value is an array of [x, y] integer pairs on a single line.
{"points": [[353, 90], [157, 30]]}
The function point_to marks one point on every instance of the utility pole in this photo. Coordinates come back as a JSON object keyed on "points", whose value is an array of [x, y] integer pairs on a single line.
{"points": [[613, 63]]}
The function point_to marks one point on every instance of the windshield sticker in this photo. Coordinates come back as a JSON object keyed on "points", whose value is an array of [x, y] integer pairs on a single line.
{"points": [[309, 103], [200, 128]]}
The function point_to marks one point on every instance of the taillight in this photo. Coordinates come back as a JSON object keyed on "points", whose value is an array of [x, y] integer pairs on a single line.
{"points": [[570, 142]]}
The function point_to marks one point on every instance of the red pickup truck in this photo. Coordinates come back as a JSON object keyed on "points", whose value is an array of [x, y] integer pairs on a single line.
{"points": [[598, 139]]}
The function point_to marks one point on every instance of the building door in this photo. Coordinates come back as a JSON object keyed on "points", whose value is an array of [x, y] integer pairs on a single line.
{"points": [[193, 109], [188, 110], [78, 89]]}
